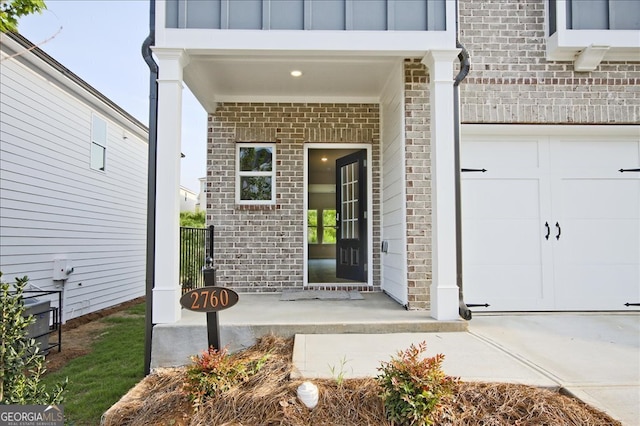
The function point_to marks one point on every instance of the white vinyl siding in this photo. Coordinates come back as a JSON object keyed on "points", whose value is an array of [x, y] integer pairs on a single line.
{"points": [[52, 205], [394, 262]]}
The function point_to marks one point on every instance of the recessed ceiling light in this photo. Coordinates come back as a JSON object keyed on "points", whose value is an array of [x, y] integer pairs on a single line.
{"points": [[296, 73]]}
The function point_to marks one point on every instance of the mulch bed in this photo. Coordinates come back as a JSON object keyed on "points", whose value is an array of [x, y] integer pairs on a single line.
{"points": [[269, 398]]}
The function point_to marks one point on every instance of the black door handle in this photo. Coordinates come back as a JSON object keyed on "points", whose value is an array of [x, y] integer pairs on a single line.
{"points": [[546, 237], [559, 231]]}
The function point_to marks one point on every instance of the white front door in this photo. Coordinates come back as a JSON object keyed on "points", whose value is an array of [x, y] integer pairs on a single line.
{"points": [[552, 224]]}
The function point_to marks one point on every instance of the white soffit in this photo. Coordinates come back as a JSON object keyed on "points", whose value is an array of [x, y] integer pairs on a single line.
{"points": [[268, 78]]}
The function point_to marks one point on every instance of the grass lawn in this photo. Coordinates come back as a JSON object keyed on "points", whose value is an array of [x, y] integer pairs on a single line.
{"points": [[116, 363]]}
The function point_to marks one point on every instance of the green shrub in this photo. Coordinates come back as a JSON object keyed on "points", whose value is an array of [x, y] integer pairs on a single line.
{"points": [[413, 387], [215, 371], [192, 219], [22, 364]]}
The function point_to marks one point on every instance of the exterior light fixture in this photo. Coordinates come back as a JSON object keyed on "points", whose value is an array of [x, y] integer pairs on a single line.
{"points": [[324, 159], [296, 73]]}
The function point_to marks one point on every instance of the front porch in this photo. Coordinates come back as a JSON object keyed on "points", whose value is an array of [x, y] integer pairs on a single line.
{"points": [[256, 315]]}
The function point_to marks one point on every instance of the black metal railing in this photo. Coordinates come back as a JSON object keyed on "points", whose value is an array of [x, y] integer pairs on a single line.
{"points": [[196, 244]]}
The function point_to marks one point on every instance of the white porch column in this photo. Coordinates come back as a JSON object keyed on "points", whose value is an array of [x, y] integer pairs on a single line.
{"points": [[166, 291], [444, 289]]}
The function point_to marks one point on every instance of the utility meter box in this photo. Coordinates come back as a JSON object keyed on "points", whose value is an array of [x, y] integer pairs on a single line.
{"points": [[61, 269], [39, 329]]}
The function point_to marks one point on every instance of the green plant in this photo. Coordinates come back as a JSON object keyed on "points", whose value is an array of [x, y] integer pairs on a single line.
{"points": [[192, 219], [12, 10], [22, 364], [413, 387], [338, 372], [215, 371]]}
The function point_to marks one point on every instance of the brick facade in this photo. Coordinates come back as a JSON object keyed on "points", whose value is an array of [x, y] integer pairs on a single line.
{"points": [[261, 248], [418, 184], [511, 81]]}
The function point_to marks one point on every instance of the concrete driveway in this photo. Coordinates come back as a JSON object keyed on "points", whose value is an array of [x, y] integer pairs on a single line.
{"points": [[595, 357]]}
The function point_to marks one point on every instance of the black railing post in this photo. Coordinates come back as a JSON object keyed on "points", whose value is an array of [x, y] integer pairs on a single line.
{"points": [[213, 327], [211, 230]]}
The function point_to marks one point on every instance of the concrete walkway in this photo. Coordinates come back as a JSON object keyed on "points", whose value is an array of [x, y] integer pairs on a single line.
{"points": [[258, 314], [595, 357]]}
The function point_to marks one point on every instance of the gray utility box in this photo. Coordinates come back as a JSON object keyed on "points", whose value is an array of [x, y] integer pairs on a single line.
{"points": [[39, 329]]}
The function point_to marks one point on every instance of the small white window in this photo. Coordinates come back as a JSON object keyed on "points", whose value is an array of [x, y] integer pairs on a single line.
{"points": [[98, 143], [256, 173]]}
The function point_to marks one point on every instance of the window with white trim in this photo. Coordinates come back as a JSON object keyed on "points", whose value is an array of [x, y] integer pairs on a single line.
{"points": [[98, 143], [255, 173]]}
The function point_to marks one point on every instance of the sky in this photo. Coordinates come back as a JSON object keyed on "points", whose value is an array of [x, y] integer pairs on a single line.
{"points": [[100, 41]]}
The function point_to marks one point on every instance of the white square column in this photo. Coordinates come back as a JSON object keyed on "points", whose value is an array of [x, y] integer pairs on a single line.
{"points": [[444, 288], [166, 289]]}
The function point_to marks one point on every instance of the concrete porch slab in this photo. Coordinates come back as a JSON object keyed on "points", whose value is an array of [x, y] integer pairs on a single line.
{"points": [[256, 315]]}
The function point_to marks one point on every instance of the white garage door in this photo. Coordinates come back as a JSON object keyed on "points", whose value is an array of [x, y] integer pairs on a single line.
{"points": [[552, 224]]}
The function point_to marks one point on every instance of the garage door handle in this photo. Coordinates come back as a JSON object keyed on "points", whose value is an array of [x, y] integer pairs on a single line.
{"points": [[546, 237], [559, 231]]}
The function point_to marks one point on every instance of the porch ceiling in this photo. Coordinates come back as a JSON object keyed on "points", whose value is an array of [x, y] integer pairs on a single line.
{"points": [[267, 78]]}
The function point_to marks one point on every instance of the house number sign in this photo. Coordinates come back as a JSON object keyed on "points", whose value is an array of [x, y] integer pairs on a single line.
{"points": [[209, 299]]}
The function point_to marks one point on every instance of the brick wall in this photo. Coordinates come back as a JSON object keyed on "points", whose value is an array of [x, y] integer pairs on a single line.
{"points": [[511, 81], [418, 185], [261, 248]]}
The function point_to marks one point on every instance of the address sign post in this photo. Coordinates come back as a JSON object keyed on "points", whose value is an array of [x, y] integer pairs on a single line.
{"points": [[210, 299]]}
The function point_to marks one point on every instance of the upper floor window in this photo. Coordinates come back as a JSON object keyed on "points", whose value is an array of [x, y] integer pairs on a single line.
{"points": [[255, 173], [98, 143]]}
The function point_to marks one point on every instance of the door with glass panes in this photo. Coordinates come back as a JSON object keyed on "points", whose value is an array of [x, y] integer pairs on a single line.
{"points": [[351, 216]]}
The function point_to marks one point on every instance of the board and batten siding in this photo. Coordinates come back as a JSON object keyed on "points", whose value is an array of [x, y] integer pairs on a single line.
{"points": [[393, 210], [54, 206], [336, 15]]}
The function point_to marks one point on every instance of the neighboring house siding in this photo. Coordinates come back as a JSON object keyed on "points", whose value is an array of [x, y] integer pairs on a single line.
{"points": [[512, 82], [53, 205], [261, 248], [188, 200], [418, 183], [394, 229]]}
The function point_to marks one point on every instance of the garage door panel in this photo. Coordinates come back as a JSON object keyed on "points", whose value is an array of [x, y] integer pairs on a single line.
{"points": [[600, 198], [500, 242], [501, 198], [605, 242], [505, 282], [516, 153], [594, 153], [614, 286]]}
